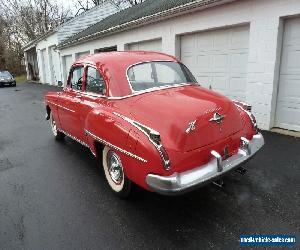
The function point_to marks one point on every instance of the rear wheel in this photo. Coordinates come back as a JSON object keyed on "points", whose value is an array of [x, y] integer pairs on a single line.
{"points": [[57, 134], [114, 173]]}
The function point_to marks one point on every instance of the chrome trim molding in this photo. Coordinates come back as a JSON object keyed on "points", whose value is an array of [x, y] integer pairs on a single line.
{"points": [[149, 132], [73, 111], [73, 137], [114, 146], [191, 127], [178, 183], [217, 118], [77, 140], [149, 90], [153, 88], [254, 123]]}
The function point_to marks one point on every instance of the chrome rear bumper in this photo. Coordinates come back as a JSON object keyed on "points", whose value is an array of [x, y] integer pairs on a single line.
{"points": [[178, 183]]}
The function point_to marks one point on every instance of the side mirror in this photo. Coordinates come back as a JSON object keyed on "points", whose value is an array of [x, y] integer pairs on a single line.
{"points": [[59, 83]]}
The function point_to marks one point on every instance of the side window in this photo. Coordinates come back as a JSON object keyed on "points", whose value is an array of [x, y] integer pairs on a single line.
{"points": [[76, 78], [94, 81]]}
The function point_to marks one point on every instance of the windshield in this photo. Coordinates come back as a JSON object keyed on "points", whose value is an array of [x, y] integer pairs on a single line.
{"points": [[5, 74], [158, 74]]}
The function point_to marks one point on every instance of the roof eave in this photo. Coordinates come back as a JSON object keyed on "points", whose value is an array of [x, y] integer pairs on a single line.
{"points": [[177, 11]]}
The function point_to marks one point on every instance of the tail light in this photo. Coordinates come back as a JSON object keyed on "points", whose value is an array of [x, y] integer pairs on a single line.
{"points": [[247, 108]]}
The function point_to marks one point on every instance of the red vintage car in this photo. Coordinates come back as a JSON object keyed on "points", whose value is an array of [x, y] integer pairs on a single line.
{"points": [[149, 121]]}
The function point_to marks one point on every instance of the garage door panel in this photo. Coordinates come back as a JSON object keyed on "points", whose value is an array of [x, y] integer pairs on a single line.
{"points": [[204, 42], [290, 89], [221, 63], [291, 61], [221, 40], [153, 45], [288, 99], [290, 118], [221, 58], [238, 84], [203, 62], [239, 62], [188, 44], [292, 34], [219, 83]]}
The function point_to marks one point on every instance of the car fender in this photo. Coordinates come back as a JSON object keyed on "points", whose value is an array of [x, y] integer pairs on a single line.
{"points": [[138, 155]]}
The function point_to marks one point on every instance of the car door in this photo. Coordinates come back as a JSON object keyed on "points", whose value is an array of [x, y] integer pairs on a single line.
{"points": [[70, 102], [94, 92]]}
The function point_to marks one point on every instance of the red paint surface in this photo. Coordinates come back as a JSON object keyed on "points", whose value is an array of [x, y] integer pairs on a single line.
{"points": [[167, 111]]}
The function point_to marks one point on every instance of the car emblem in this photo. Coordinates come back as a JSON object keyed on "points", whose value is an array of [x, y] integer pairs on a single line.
{"points": [[191, 127], [217, 118]]}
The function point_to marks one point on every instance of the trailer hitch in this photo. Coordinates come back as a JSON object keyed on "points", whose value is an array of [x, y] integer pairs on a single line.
{"points": [[219, 183]]}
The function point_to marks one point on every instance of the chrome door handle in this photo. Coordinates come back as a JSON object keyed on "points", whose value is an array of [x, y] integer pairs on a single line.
{"points": [[78, 96]]}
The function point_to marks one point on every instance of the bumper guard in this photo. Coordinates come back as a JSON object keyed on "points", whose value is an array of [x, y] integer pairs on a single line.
{"points": [[178, 183]]}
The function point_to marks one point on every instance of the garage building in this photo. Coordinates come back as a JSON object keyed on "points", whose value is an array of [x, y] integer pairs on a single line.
{"points": [[246, 49]]}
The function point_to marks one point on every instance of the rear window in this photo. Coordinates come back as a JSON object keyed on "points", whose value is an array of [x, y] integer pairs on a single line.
{"points": [[158, 74]]}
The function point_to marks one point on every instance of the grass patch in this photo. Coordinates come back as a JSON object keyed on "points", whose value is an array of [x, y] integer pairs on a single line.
{"points": [[21, 78]]}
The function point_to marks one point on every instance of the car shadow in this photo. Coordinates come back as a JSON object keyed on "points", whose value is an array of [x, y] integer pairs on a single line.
{"points": [[209, 211]]}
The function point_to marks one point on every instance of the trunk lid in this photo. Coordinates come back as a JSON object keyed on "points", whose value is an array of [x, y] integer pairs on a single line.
{"points": [[171, 110]]}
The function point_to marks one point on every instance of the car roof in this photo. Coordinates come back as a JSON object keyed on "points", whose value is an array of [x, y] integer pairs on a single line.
{"points": [[129, 56], [114, 65]]}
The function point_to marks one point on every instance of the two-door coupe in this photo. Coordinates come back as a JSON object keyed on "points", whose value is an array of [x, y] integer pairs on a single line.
{"points": [[149, 121]]}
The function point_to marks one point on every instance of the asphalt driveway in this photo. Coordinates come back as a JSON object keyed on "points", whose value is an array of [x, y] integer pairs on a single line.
{"points": [[53, 195]]}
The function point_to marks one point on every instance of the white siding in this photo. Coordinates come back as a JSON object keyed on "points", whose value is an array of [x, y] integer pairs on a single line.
{"points": [[288, 100]]}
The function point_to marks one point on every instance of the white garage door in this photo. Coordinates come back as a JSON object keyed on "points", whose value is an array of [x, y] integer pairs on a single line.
{"points": [[54, 65], [45, 65], [219, 59], [67, 62], [153, 45], [288, 100], [81, 54]]}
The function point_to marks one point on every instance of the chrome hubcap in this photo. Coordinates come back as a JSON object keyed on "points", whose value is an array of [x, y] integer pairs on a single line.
{"points": [[115, 168]]}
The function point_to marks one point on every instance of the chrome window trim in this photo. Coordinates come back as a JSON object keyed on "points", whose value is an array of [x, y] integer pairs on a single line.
{"points": [[60, 106], [115, 147], [154, 88], [89, 93], [148, 91]]}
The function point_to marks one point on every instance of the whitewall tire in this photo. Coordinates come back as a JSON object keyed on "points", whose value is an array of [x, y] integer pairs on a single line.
{"points": [[114, 173], [57, 134]]}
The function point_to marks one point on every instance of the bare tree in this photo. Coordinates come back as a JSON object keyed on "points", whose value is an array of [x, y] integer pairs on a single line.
{"points": [[84, 5], [23, 21], [29, 19]]}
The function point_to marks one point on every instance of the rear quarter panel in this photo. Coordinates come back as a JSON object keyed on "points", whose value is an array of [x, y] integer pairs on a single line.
{"points": [[111, 128]]}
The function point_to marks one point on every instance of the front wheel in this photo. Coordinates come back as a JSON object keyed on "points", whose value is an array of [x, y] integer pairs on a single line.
{"points": [[114, 173], [57, 134]]}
